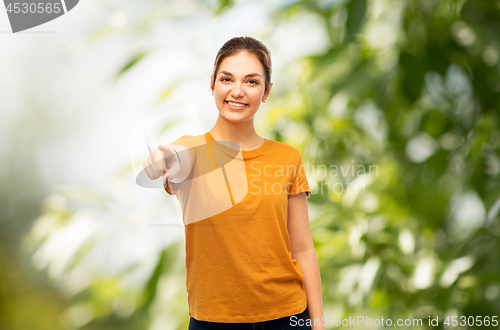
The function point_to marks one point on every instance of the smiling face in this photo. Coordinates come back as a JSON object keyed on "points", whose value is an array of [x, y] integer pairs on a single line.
{"points": [[240, 87]]}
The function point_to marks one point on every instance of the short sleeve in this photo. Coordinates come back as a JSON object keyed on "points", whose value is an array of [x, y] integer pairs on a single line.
{"points": [[190, 142], [172, 188], [299, 183]]}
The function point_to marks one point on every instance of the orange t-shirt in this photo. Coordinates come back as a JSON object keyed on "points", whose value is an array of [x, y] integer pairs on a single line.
{"points": [[239, 266]]}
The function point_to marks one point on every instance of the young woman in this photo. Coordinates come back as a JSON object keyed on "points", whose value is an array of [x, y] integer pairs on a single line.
{"points": [[251, 264]]}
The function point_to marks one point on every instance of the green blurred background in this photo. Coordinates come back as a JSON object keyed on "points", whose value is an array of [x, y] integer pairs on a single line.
{"points": [[406, 88]]}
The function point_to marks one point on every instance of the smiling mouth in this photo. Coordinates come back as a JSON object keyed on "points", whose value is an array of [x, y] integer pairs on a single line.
{"points": [[235, 104]]}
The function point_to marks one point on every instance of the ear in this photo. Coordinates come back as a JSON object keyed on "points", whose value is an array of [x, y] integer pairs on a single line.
{"points": [[266, 94]]}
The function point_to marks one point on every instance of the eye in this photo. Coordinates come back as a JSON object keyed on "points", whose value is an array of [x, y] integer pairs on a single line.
{"points": [[225, 79], [253, 82]]}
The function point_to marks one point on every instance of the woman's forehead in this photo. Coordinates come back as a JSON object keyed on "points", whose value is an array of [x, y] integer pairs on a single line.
{"points": [[241, 64]]}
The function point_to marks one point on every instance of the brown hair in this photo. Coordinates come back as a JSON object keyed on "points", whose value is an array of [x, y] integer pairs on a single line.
{"points": [[248, 44]]}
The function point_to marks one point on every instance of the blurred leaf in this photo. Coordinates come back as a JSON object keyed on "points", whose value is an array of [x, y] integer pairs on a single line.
{"points": [[130, 63], [455, 6], [150, 289], [355, 17], [165, 94], [223, 5], [413, 70]]}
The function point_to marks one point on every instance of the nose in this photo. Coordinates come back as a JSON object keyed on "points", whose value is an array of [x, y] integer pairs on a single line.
{"points": [[237, 91]]}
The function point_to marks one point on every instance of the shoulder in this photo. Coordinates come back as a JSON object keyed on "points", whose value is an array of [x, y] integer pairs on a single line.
{"points": [[285, 148], [190, 141]]}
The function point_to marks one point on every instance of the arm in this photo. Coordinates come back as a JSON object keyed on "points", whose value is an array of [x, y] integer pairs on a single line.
{"points": [[303, 251]]}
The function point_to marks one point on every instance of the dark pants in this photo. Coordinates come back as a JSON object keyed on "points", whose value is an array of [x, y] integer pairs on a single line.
{"points": [[284, 323]]}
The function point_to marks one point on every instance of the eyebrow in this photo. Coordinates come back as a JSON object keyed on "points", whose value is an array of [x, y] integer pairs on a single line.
{"points": [[248, 75]]}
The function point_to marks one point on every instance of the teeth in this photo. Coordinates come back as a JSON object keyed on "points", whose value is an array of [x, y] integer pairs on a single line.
{"points": [[236, 104]]}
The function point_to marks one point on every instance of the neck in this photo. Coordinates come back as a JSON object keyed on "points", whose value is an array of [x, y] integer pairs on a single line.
{"points": [[241, 133]]}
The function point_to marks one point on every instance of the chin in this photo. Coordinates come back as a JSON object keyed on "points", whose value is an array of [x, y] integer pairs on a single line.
{"points": [[235, 118]]}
